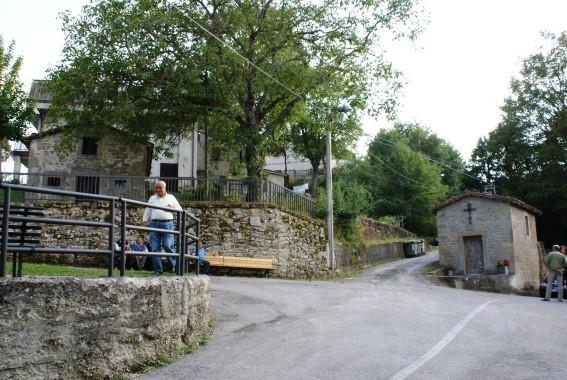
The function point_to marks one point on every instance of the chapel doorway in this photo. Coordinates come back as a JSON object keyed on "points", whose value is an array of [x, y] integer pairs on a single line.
{"points": [[474, 256]]}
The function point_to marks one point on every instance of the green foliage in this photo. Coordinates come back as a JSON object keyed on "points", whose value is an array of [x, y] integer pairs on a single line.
{"points": [[409, 170], [390, 220], [350, 200], [149, 68], [526, 155], [16, 112]]}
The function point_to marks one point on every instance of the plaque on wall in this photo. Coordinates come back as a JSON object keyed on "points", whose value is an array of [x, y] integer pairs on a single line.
{"points": [[255, 221]]}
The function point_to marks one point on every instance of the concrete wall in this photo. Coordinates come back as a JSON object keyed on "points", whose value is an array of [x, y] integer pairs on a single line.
{"points": [[71, 328], [350, 259]]}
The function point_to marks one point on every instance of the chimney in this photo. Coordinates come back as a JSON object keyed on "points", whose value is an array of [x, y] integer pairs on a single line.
{"points": [[490, 189]]}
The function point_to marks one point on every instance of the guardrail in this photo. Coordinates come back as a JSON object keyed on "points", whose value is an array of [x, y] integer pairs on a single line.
{"points": [[141, 188], [183, 222]]}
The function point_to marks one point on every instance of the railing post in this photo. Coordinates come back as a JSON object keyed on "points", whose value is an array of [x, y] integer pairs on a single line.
{"points": [[5, 225], [112, 212], [182, 244], [122, 237]]}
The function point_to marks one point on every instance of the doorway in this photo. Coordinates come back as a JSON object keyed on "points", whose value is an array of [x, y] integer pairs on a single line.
{"points": [[169, 174], [474, 255]]}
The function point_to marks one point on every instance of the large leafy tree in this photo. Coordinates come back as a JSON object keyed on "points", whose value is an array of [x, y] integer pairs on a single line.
{"points": [[526, 155], [154, 68], [308, 135], [411, 170], [16, 113]]}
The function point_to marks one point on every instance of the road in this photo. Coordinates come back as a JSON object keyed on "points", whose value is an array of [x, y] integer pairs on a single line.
{"points": [[388, 322]]}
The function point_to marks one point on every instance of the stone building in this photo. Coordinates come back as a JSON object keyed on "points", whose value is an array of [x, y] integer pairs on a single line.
{"points": [[95, 167], [476, 229]]}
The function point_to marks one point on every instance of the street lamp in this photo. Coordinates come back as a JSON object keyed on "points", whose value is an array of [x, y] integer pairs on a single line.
{"points": [[329, 182]]}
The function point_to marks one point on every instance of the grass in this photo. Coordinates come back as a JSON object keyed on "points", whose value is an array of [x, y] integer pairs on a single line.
{"points": [[32, 269]]}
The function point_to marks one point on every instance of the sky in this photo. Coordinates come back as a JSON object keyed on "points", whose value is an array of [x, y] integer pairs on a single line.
{"points": [[457, 73]]}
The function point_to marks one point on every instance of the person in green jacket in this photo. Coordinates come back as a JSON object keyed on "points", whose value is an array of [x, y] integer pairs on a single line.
{"points": [[555, 262]]}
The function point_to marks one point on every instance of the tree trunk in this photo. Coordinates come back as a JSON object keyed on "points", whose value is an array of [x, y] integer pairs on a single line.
{"points": [[254, 166], [314, 169]]}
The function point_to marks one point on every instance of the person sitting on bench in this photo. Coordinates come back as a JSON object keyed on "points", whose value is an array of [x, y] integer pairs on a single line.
{"points": [[204, 263]]}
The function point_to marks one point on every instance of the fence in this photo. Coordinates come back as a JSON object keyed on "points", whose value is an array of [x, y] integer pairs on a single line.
{"points": [[183, 221], [141, 188]]}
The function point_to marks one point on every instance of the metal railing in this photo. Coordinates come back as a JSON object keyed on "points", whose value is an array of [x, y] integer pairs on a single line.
{"points": [[141, 188], [183, 222]]}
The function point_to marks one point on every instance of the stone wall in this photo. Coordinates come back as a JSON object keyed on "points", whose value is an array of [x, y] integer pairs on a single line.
{"points": [[350, 259], [296, 245], [493, 283], [374, 229], [113, 157], [73, 171], [70, 328], [501, 226]]}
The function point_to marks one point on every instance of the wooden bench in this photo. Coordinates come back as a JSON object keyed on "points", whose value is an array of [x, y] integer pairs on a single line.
{"points": [[22, 233], [232, 262]]}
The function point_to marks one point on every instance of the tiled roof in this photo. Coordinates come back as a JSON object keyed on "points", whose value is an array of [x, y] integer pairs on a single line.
{"points": [[499, 198], [38, 91]]}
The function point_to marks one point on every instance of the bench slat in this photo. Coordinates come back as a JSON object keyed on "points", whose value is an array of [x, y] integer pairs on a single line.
{"points": [[216, 261], [247, 262], [240, 262]]}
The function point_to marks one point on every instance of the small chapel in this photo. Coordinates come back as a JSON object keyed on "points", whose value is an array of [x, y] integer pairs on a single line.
{"points": [[476, 230]]}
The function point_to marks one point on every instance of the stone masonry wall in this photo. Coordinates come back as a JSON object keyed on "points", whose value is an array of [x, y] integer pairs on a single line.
{"points": [[350, 259], [71, 328], [503, 231], [297, 245], [374, 229], [44, 157]]}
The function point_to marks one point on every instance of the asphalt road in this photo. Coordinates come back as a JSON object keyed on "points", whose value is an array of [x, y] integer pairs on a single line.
{"points": [[389, 322]]}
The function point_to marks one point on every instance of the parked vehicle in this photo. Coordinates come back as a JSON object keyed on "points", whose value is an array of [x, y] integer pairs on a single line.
{"points": [[554, 289]]}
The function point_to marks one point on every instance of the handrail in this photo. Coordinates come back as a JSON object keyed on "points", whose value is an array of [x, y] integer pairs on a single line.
{"points": [[187, 189], [183, 239]]}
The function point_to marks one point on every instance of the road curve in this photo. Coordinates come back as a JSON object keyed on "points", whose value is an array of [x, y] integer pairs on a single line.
{"points": [[388, 322]]}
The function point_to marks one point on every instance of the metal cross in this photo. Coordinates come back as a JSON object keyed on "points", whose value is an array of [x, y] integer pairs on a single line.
{"points": [[470, 209]]}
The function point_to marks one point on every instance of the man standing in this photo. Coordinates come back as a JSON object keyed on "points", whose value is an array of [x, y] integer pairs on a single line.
{"points": [[554, 262], [162, 219]]}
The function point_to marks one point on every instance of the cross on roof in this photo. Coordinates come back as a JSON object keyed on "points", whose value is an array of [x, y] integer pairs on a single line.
{"points": [[469, 209]]}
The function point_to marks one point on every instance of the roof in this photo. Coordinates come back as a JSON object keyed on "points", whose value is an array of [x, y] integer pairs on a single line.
{"points": [[39, 93], [498, 198]]}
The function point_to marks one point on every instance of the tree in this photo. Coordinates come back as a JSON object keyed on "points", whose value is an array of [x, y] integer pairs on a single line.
{"points": [[526, 155], [411, 170], [308, 135], [152, 69], [15, 111], [350, 200]]}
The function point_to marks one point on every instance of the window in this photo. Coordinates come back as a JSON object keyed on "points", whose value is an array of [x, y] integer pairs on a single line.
{"points": [[90, 146], [527, 220], [121, 184], [54, 181], [88, 184]]}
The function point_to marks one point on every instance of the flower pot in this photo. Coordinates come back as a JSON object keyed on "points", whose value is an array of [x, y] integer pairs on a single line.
{"points": [[506, 270]]}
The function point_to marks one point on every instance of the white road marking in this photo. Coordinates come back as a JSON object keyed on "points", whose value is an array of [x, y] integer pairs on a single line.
{"points": [[441, 345]]}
